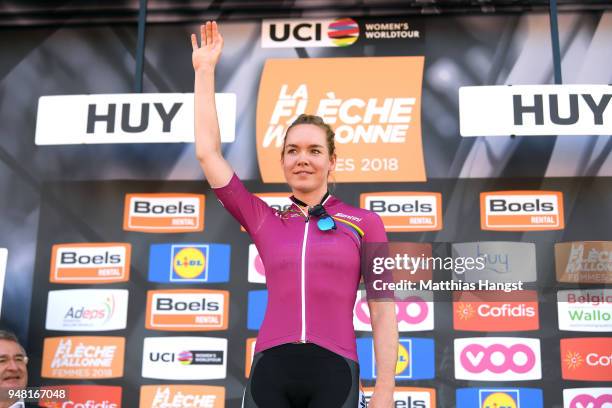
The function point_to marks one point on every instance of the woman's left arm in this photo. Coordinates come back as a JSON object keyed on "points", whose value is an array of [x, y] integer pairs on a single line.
{"points": [[384, 331]]}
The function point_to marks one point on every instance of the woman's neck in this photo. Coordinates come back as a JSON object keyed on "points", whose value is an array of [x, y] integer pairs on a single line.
{"points": [[311, 198]]}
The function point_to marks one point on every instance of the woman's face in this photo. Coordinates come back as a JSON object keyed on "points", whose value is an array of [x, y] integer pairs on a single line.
{"points": [[306, 161]]}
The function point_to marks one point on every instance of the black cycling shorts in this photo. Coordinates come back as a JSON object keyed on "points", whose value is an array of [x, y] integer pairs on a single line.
{"points": [[302, 375]]}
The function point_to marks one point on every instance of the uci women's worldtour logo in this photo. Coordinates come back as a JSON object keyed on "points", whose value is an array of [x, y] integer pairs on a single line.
{"points": [[187, 310], [493, 311], [340, 32], [407, 397], [587, 397], [189, 263], [184, 358], [414, 312], [184, 396], [377, 122], [83, 357], [586, 310], [164, 212], [89, 263], [521, 210], [584, 262], [501, 397], [586, 359], [86, 396], [497, 359], [406, 211], [87, 309]]}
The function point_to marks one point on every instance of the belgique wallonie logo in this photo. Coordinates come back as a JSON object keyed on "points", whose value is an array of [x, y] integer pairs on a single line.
{"points": [[377, 121]]}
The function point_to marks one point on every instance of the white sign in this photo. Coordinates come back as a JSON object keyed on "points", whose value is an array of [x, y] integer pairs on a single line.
{"points": [[3, 259], [535, 110], [126, 118], [87, 309], [587, 397], [184, 358], [587, 310]]}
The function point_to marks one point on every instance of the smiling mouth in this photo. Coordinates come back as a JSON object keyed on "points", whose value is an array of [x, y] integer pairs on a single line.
{"points": [[302, 172]]}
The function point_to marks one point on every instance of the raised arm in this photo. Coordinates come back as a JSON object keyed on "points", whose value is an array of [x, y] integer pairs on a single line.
{"points": [[217, 170]]}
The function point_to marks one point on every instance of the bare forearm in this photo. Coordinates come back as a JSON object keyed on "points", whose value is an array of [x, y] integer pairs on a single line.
{"points": [[384, 327], [207, 135]]}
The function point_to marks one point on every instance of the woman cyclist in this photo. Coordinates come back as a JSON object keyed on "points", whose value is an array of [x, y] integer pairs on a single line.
{"points": [[305, 354]]}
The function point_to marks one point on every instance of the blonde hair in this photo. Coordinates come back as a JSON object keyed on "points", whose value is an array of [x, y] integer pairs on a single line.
{"points": [[305, 119]]}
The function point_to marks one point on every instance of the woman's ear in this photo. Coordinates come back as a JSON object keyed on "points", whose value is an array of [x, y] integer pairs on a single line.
{"points": [[332, 162]]}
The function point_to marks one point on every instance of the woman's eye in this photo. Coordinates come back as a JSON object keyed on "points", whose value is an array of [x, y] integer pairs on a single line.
{"points": [[316, 151]]}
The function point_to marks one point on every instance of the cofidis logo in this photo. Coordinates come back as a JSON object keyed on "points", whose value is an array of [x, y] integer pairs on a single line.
{"points": [[407, 397], [86, 396], [587, 398], [584, 262], [588, 310], [82, 357], [377, 122], [497, 359], [339, 32], [495, 311], [87, 309], [521, 210], [415, 360], [189, 263], [499, 398], [163, 213], [184, 358], [406, 211], [414, 312], [90, 263], [587, 359], [184, 396], [187, 310]]}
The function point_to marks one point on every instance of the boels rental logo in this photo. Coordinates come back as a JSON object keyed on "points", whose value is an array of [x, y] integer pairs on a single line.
{"points": [[377, 121], [164, 212], [521, 210]]}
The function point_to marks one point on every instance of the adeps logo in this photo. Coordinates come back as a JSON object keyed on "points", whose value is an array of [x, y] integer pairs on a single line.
{"points": [[309, 33], [521, 210], [377, 123]]}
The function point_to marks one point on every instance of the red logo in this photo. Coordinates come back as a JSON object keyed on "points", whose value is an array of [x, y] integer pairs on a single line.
{"points": [[495, 311], [587, 359]]}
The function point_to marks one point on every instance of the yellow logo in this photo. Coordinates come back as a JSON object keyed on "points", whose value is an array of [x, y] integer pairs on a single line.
{"points": [[499, 399], [189, 263], [403, 359], [573, 360], [465, 311]]}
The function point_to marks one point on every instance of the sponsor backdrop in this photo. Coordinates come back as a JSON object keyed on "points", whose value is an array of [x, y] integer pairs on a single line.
{"points": [[134, 287]]}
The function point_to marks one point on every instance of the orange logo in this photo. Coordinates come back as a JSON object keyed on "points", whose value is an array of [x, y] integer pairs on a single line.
{"points": [[187, 310], [161, 396], [250, 352], [163, 213], [86, 396], [495, 311], [90, 263], [587, 359], [406, 211], [521, 210], [407, 397], [377, 121], [83, 357], [584, 261]]}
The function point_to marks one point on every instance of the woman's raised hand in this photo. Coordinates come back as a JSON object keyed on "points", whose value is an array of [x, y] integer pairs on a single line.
{"points": [[207, 54]]}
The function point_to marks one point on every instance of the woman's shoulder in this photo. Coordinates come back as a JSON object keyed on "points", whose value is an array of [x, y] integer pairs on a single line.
{"points": [[360, 216]]}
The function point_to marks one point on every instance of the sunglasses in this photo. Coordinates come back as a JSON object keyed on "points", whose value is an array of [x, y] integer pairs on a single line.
{"points": [[325, 221]]}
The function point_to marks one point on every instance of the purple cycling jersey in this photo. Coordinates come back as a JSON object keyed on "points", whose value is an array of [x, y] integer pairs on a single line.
{"points": [[312, 275]]}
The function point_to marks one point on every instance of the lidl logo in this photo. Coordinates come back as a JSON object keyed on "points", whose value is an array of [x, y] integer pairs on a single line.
{"points": [[257, 302], [187, 310], [406, 211], [499, 398], [164, 213], [184, 396], [189, 263], [521, 210], [415, 359], [90, 263], [586, 359]]}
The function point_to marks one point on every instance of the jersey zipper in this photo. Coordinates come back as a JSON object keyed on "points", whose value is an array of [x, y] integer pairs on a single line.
{"points": [[303, 281]]}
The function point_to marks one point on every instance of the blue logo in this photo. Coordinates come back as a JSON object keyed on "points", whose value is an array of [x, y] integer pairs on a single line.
{"points": [[499, 397], [258, 300], [415, 359], [189, 263]]}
